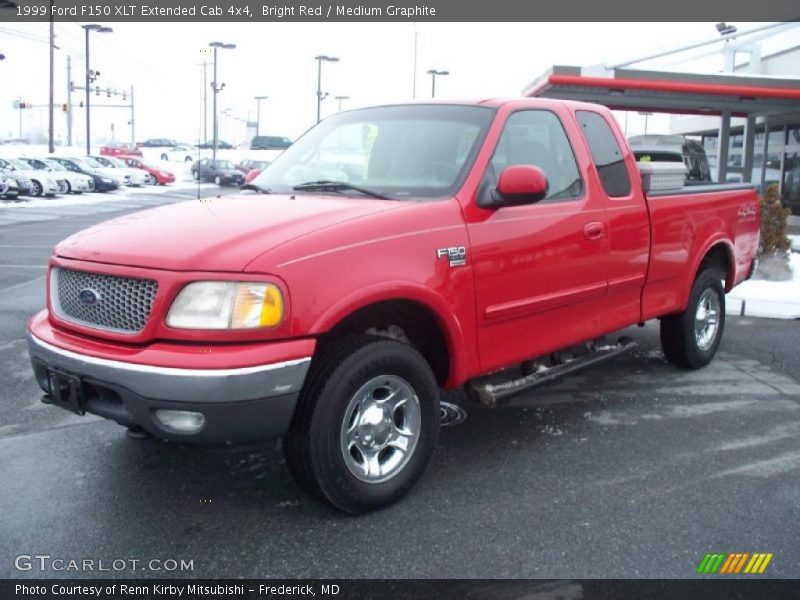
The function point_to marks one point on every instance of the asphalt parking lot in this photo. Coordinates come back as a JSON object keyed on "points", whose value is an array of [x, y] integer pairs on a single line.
{"points": [[631, 469]]}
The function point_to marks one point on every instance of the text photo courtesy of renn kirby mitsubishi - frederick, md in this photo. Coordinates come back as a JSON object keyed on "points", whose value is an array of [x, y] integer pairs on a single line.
{"points": [[398, 299]]}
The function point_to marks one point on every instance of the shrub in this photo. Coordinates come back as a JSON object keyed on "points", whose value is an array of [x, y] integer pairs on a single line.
{"points": [[773, 224]]}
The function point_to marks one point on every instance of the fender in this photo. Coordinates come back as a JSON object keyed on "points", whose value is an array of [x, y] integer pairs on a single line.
{"points": [[716, 239], [405, 290]]}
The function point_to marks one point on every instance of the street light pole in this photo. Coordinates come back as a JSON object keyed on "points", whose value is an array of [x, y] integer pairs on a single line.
{"points": [[89, 79], [433, 73], [217, 89], [319, 60], [340, 98], [258, 100], [50, 117]]}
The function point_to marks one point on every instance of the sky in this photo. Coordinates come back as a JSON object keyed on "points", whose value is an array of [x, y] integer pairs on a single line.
{"points": [[162, 62]]}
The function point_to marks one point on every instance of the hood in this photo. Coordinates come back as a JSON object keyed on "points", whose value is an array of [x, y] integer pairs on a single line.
{"points": [[219, 234]]}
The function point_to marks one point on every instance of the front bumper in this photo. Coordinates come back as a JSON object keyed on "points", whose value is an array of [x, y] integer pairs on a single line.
{"points": [[239, 404]]}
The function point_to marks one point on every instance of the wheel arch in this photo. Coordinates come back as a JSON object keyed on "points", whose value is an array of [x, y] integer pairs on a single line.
{"points": [[425, 318]]}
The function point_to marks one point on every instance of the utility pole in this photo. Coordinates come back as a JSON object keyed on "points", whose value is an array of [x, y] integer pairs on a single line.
{"points": [[414, 81], [205, 101], [69, 101], [89, 78], [133, 121], [51, 123], [258, 100]]}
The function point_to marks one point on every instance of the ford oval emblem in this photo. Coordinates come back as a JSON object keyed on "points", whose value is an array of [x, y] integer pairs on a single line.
{"points": [[89, 297]]}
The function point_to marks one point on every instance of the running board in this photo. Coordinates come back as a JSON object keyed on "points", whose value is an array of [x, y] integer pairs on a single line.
{"points": [[489, 392]]}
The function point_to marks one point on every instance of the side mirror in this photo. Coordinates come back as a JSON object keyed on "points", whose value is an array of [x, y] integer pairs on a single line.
{"points": [[517, 185]]}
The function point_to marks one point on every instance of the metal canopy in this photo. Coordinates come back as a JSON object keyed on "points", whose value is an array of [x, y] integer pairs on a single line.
{"points": [[659, 91]]}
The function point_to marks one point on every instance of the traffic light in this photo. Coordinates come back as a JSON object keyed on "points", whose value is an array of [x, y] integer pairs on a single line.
{"points": [[108, 92], [97, 90], [64, 108], [81, 104]]}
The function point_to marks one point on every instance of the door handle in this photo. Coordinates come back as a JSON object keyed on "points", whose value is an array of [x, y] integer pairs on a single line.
{"points": [[594, 230]]}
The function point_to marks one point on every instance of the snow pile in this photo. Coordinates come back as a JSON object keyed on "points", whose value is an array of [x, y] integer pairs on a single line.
{"points": [[776, 299]]}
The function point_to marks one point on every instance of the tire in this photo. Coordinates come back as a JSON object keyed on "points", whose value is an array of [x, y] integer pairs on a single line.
{"points": [[164, 157], [690, 339], [196, 175], [151, 179], [218, 180], [351, 381], [37, 188], [187, 159]]}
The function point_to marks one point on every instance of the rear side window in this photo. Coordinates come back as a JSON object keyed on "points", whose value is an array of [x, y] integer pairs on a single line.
{"points": [[606, 153]]}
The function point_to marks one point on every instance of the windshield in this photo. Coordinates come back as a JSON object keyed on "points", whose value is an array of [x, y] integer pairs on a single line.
{"points": [[116, 162], [401, 152], [91, 162], [54, 165], [23, 166]]}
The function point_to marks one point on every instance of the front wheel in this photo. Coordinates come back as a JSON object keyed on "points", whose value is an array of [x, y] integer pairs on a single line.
{"points": [[366, 424], [218, 180], [691, 338], [37, 188]]}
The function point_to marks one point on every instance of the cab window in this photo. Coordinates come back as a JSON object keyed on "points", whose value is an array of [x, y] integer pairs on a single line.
{"points": [[537, 138], [606, 153]]}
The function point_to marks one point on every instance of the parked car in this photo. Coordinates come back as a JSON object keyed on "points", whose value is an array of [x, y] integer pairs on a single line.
{"points": [[122, 179], [157, 143], [76, 183], [155, 176], [135, 177], [221, 172], [101, 182], [9, 190], [247, 165], [41, 182], [179, 153], [674, 148], [120, 150], [252, 174], [270, 142], [489, 245], [221, 145]]}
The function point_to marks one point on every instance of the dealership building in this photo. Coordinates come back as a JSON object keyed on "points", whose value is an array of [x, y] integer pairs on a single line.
{"points": [[748, 119]]}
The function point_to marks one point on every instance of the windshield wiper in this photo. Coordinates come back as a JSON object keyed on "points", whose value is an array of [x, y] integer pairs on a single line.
{"points": [[336, 186], [255, 188]]}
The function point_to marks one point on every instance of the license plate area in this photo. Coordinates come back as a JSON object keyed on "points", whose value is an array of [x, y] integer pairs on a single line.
{"points": [[66, 391]]}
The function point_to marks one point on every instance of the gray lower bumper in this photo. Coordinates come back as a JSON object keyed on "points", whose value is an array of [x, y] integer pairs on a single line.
{"points": [[239, 404]]}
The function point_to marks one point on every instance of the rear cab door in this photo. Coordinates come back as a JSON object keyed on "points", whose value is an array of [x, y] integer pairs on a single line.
{"points": [[614, 168]]}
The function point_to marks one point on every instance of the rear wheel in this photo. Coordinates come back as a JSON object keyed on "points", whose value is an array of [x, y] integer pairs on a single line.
{"points": [[164, 157], [151, 179], [69, 188], [187, 159], [366, 424], [691, 339]]}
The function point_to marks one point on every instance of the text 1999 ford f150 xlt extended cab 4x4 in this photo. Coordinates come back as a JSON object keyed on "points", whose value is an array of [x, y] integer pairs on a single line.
{"points": [[393, 252]]}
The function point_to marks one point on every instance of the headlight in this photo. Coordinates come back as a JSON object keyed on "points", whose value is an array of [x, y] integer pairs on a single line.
{"points": [[226, 305]]}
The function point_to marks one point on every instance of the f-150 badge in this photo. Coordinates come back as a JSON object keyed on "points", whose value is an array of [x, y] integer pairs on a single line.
{"points": [[457, 255]]}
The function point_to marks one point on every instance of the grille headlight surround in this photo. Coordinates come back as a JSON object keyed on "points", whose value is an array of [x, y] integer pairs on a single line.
{"points": [[222, 305]]}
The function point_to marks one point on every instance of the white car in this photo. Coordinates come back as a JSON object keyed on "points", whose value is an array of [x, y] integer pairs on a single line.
{"points": [[76, 183], [178, 153], [116, 175], [136, 176], [42, 182]]}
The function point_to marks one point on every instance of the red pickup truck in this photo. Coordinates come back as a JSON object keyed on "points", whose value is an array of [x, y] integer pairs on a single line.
{"points": [[389, 253]]}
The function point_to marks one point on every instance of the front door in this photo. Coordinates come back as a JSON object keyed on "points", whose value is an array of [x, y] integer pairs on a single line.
{"points": [[538, 268]]}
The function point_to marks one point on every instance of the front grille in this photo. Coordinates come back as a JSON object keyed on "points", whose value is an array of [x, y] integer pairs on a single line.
{"points": [[109, 302]]}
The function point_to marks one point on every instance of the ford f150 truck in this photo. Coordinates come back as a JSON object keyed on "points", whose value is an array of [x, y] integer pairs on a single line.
{"points": [[388, 254]]}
